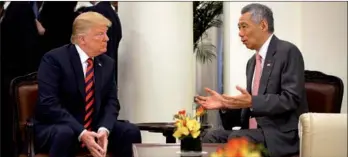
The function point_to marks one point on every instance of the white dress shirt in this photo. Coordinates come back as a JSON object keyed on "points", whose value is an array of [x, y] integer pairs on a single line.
{"points": [[83, 58]]}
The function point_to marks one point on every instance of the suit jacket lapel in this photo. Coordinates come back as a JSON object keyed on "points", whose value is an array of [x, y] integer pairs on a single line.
{"points": [[98, 73], [250, 73], [76, 64], [268, 65]]}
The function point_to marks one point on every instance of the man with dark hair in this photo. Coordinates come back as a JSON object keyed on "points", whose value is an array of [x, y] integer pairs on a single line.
{"points": [[275, 95]]}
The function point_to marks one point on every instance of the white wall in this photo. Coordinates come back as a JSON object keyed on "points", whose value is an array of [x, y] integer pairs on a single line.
{"points": [[156, 63], [319, 29], [324, 38]]}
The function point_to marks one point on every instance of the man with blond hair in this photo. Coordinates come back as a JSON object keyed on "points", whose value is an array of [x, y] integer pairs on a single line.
{"points": [[77, 103]]}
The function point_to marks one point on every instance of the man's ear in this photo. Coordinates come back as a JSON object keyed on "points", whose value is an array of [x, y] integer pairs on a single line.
{"points": [[81, 39], [264, 25]]}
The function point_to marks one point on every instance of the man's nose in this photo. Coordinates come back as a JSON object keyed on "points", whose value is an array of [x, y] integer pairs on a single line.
{"points": [[106, 37], [241, 34]]}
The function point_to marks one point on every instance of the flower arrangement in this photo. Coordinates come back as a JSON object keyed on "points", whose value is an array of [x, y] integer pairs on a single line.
{"points": [[239, 147], [187, 126]]}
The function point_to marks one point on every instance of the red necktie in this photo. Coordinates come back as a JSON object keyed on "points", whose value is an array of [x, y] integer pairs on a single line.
{"points": [[89, 89], [256, 82]]}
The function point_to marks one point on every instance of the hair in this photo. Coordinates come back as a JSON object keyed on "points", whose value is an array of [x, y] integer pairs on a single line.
{"points": [[85, 21], [260, 12]]}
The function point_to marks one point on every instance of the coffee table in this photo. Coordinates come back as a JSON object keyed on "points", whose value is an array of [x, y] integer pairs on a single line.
{"points": [[167, 129], [168, 150]]}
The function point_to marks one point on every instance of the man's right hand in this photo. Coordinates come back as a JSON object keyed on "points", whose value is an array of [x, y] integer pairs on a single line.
{"points": [[214, 101], [89, 139]]}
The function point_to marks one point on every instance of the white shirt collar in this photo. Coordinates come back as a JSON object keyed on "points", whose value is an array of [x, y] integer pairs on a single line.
{"points": [[264, 48], [83, 55], [110, 4], [82, 4], [87, 4]]}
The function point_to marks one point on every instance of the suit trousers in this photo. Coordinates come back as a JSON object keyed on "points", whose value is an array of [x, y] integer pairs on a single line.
{"points": [[60, 141]]}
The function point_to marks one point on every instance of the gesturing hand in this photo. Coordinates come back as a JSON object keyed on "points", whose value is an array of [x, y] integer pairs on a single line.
{"points": [[88, 138], [103, 140], [237, 102], [213, 101]]}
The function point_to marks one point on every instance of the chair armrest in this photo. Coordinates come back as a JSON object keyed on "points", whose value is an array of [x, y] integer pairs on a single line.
{"points": [[323, 135]]}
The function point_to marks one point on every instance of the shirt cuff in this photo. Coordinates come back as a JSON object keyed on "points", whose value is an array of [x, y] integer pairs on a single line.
{"points": [[79, 138], [103, 128]]}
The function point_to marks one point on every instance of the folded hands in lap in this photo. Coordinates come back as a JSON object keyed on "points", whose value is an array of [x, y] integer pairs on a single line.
{"points": [[215, 100], [97, 148]]}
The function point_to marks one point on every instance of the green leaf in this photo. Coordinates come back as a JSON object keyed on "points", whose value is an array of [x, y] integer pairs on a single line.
{"points": [[205, 52], [205, 15]]}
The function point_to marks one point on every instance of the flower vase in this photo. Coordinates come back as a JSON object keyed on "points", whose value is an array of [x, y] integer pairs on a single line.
{"points": [[190, 144]]}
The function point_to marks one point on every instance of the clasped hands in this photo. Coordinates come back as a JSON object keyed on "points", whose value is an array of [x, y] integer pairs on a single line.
{"points": [[215, 100], [98, 148]]}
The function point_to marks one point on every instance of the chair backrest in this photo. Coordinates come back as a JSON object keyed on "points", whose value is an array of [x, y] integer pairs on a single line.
{"points": [[324, 92], [24, 92]]}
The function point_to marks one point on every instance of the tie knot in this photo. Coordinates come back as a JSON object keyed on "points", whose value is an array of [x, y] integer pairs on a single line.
{"points": [[90, 61]]}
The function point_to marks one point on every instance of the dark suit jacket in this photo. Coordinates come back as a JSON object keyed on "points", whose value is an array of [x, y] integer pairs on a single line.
{"points": [[57, 18], [19, 37], [281, 97], [62, 90]]}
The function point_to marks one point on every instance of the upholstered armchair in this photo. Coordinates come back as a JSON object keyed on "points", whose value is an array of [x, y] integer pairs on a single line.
{"points": [[323, 135]]}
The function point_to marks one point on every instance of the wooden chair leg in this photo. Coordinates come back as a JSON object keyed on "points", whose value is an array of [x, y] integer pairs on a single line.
{"points": [[30, 139]]}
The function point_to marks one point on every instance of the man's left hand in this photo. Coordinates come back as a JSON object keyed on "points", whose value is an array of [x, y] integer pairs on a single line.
{"points": [[237, 102], [103, 140]]}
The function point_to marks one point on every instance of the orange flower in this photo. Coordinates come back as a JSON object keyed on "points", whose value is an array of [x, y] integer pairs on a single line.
{"points": [[239, 147], [199, 111], [219, 151], [182, 112]]}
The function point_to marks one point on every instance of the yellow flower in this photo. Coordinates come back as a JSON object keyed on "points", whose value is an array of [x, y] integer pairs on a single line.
{"points": [[216, 155], [194, 127], [181, 130], [186, 125], [254, 154]]}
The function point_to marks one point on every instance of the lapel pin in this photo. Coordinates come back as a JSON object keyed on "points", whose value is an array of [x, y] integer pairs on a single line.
{"points": [[99, 64], [268, 64]]}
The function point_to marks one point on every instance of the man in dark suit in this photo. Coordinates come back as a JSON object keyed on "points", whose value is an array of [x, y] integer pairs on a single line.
{"points": [[57, 18], [275, 95], [78, 98], [115, 31]]}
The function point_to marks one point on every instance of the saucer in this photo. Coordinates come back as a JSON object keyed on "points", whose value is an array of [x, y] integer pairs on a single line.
{"points": [[191, 153]]}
